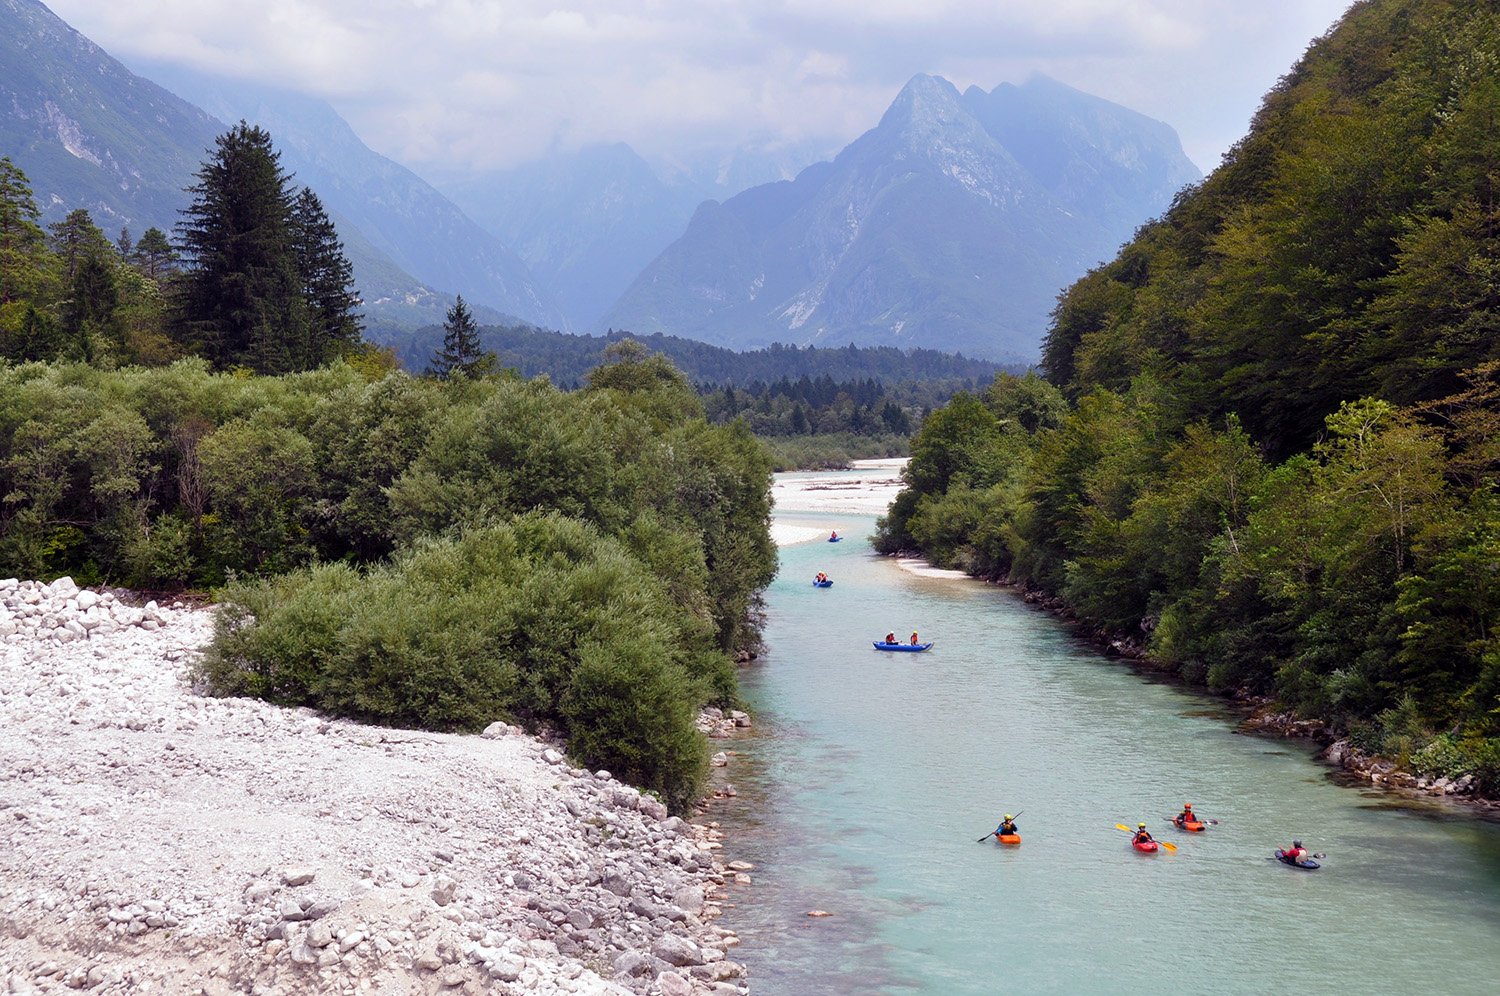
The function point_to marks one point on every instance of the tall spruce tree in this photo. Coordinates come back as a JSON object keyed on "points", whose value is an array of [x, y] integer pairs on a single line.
{"points": [[241, 301], [327, 280], [461, 355], [22, 242]]}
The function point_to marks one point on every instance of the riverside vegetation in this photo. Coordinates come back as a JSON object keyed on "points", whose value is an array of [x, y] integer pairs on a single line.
{"points": [[1268, 449], [436, 552], [586, 559]]}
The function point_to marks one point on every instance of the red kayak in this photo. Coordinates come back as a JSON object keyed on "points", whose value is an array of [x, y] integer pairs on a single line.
{"points": [[1145, 847], [1191, 827], [1009, 839]]}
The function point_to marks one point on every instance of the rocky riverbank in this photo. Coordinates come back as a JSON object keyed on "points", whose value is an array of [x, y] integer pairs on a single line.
{"points": [[159, 841]]}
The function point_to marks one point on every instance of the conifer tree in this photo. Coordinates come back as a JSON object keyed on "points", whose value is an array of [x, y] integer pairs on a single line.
{"points": [[461, 355], [154, 255], [22, 243], [241, 301], [327, 280]]}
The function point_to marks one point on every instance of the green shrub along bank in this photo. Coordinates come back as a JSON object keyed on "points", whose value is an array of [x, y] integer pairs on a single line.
{"points": [[1278, 466], [180, 477], [302, 487], [541, 620]]}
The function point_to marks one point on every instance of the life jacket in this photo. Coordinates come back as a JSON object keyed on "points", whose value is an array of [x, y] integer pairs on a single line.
{"points": [[1142, 836]]}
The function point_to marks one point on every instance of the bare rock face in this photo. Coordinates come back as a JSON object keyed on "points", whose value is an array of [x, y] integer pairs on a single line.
{"points": [[185, 840]]}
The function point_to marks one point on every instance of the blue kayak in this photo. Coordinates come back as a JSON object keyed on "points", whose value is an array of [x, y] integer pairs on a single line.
{"points": [[902, 648], [835, 539], [822, 584]]}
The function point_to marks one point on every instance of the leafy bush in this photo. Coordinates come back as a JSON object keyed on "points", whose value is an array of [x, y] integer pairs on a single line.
{"points": [[539, 620]]}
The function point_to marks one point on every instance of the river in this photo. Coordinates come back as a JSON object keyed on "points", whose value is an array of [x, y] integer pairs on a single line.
{"points": [[869, 776]]}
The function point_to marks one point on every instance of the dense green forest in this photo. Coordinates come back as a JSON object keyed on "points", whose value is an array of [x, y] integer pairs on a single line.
{"points": [[1271, 455], [568, 533], [566, 358]]}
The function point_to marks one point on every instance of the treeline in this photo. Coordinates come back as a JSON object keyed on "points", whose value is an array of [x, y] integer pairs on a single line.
{"points": [[812, 406], [1274, 457], [256, 278], [566, 358], [415, 551]]}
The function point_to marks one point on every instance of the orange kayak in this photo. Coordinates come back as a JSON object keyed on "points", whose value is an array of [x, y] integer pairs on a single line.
{"points": [[1191, 827], [1011, 839]]}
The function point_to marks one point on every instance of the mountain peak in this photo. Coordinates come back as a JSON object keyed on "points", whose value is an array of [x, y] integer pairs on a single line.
{"points": [[923, 98]]}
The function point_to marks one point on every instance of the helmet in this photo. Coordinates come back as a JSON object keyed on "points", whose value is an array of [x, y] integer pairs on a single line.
{"points": [[1141, 826], [1008, 817], [1187, 805], [1296, 843]]}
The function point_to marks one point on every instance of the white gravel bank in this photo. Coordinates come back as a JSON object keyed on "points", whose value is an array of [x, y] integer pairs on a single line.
{"points": [[153, 840]]}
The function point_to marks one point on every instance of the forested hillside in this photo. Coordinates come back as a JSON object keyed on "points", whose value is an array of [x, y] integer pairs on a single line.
{"points": [[1273, 457]]}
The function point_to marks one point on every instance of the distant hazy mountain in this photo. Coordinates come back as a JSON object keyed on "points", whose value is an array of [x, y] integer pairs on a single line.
{"points": [[585, 222], [399, 214], [588, 222], [88, 132], [953, 224]]}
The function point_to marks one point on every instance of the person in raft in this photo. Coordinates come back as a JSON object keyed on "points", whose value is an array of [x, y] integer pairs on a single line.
{"points": [[1142, 835], [1296, 852], [834, 535], [1007, 826], [890, 637], [914, 638], [1186, 816], [821, 576]]}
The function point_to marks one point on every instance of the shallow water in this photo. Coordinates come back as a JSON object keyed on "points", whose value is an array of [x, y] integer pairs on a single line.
{"points": [[870, 776]]}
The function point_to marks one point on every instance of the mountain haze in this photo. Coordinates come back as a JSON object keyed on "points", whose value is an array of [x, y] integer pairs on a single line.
{"points": [[952, 224], [586, 222], [398, 214]]}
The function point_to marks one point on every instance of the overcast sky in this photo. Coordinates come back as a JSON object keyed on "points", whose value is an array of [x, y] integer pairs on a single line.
{"points": [[471, 84]]}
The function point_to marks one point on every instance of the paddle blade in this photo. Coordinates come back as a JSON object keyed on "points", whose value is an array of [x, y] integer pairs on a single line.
{"points": [[1121, 826], [1168, 845]]}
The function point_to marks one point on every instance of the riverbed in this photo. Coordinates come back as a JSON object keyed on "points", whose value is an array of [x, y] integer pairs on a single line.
{"points": [[871, 775]]}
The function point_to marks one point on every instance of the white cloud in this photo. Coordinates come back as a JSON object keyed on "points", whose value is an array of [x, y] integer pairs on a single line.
{"points": [[484, 82]]}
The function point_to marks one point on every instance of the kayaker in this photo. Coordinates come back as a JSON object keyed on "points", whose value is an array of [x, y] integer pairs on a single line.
{"points": [[822, 576], [833, 535], [914, 638], [1296, 853], [1186, 816], [1142, 835], [890, 637], [1007, 826]]}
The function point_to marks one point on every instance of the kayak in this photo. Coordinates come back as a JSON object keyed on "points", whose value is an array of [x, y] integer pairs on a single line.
{"points": [[1307, 865], [1009, 839], [835, 539], [1145, 847], [1191, 827], [822, 584], [902, 648]]}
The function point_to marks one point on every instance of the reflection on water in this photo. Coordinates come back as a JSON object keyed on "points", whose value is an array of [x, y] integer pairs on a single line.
{"points": [[870, 775]]}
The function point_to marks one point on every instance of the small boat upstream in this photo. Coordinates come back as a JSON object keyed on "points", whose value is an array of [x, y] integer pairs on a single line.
{"points": [[903, 648]]}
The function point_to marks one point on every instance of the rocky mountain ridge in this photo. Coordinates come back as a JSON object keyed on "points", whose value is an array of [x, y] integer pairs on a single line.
{"points": [[952, 225]]}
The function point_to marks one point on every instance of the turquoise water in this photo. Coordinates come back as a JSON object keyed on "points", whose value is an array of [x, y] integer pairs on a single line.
{"points": [[871, 775]]}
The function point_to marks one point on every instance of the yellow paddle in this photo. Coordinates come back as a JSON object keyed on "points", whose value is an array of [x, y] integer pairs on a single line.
{"points": [[1169, 846]]}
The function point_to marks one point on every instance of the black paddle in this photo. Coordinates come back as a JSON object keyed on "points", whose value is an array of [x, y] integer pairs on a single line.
{"points": [[992, 833], [1173, 819]]}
